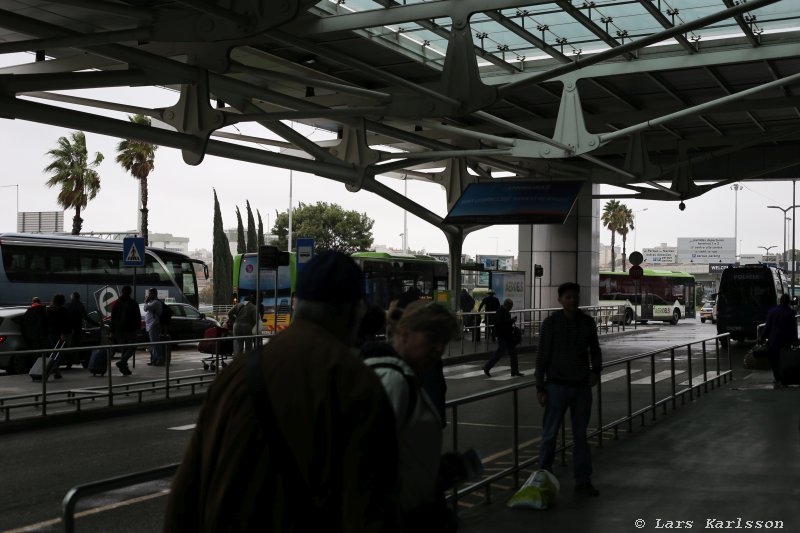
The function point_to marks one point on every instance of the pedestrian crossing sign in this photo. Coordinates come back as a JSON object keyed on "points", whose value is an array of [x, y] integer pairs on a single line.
{"points": [[133, 251]]}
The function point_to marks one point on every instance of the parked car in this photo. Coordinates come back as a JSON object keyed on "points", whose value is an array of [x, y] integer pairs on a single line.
{"points": [[187, 322], [708, 312], [11, 340]]}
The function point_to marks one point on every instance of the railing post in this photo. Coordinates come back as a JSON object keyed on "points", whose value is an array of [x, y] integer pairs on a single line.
{"points": [[674, 384], [653, 385], [167, 361], [705, 368], [109, 355], [515, 401], [630, 397], [689, 360], [45, 376]]}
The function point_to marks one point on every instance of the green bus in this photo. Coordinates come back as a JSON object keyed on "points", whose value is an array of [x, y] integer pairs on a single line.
{"points": [[662, 295], [386, 277]]}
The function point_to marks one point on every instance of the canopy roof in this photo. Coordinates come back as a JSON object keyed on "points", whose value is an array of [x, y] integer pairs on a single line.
{"points": [[666, 98]]}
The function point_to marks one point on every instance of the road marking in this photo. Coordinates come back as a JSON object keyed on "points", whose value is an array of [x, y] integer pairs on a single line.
{"points": [[183, 428], [660, 376], [478, 373], [616, 374], [458, 368], [89, 512], [698, 379]]}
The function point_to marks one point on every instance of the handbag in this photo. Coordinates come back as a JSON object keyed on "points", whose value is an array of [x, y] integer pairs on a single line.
{"points": [[516, 334]]}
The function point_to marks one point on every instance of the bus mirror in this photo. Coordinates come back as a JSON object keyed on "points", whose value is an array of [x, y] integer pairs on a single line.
{"points": [[205, 270]]}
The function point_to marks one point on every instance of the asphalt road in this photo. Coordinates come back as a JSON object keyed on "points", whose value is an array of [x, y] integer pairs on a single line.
{"points": [[40, 466]]}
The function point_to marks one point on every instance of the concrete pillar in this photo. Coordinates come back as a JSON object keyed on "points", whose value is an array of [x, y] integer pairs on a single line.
{"points": [[568, 252]]}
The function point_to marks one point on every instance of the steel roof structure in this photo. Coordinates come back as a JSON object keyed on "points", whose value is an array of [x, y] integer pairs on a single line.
{"points": [[666, 98]]}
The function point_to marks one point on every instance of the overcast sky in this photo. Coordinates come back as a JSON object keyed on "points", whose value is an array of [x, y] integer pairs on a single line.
{"points": [[181, 200]]}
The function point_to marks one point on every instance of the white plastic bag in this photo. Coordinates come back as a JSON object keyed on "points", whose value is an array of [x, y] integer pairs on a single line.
{"points": [[538, 492]]}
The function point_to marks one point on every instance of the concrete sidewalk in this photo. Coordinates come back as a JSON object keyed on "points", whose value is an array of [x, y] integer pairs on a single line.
{"points": [[732, 456]]}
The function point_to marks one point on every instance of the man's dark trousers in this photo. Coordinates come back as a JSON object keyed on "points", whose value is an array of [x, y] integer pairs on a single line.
{"points": [[579, 401], [503, 346]]}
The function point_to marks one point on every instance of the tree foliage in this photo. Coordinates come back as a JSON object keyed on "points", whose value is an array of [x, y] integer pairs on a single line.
{"points": [[223, 262], [610, 219], [138, 158], [241, 243], [252, 237], [331, 227], [624, 226], [261, 236], [74, 174]]}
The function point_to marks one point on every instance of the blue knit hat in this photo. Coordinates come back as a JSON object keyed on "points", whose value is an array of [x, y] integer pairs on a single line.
{"points": [[330, 277]]}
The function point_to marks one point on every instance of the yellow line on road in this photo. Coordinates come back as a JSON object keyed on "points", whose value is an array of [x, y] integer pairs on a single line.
{"points": [[89, 512]]}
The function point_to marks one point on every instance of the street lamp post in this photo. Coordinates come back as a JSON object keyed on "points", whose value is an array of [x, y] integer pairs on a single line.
{"points": [[767, 249], [784, 210], [635, 231], [736, 188]]}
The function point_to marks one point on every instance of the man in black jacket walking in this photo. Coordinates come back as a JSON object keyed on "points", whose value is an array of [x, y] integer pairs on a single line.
{"points": [[567, 367], [126, 323], [504, 326]]}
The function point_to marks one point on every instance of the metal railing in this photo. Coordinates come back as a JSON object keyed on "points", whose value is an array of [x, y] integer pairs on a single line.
{"points": [[98, 487], [695, 385], [124, 387], [479, 330], [74, 494]]}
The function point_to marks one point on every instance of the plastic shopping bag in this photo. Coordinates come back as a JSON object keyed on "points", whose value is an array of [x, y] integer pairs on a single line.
{"points": [[538, 492]]}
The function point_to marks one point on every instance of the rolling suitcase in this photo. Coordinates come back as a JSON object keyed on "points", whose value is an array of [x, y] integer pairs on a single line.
{"points": [[98, 362], [790, 365], [37, 372]]}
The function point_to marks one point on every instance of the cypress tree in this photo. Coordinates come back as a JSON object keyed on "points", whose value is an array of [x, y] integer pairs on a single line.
{"points": [[223, 262], [241, 243], [252, 244], [261, 239]]}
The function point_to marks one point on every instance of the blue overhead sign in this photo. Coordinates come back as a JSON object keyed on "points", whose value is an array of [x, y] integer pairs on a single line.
{"points": [[133, 251], [305, 251]]}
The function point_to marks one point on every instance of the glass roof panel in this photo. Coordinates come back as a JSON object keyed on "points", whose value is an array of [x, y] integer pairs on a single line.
{"points": [[623, 20]]}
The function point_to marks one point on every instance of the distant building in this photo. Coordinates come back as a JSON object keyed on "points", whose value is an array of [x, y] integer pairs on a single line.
{"points": [[605, 256], [168, 241], [40, 222]]}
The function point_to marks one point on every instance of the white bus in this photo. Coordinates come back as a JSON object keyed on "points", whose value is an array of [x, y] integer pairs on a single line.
{"points": [[658, 295], [44, 265]]}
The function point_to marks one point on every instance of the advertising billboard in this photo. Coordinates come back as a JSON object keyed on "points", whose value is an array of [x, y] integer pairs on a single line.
{"points": [[510, 285], [706, 250], [495, 262], [660, 255]]}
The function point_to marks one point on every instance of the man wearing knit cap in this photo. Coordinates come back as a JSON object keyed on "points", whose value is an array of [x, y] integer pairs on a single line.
{"points": [[299, 436]]}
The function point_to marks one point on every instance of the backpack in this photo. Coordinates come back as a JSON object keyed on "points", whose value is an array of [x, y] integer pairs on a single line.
{"points": [[413, 386], [165, 318]]}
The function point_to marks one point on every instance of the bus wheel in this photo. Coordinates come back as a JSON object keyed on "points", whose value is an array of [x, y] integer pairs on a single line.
{"points": [[628, 317], [676, 315]]}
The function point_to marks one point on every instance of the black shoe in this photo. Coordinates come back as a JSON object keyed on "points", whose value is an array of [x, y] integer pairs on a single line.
{"points": [[517, 374], [486, 371], [586, 489], [123, 368]]}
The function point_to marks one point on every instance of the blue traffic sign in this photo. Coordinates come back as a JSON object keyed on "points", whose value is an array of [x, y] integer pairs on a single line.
{"points": [[133, 251], [305, 251]]}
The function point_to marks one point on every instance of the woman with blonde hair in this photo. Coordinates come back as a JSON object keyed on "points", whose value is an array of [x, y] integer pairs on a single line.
{"points": [[420, 338]]}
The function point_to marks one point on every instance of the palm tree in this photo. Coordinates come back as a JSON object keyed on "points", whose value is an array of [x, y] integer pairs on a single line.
{"points": [[137, 157], [610, 219], [73, 172], [624, 225]]}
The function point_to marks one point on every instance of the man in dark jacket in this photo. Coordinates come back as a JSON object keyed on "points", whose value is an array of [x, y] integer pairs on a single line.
{"points": [[328, 460], [504, 325], [467, 304], [126, 324], [780, 332], [33, 326], [491, 304], [564, 379], [77, 313]]}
